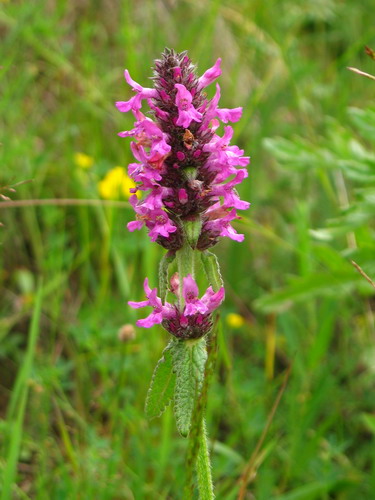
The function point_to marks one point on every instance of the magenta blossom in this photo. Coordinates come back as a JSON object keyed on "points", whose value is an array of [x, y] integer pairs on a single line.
{"points": [[159, 312], [210, 75], [135, 103], [150, 214], [224, 114], [186, 111], [209, 301]]}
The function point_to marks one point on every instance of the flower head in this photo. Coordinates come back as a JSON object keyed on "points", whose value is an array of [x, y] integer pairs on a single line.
{"points": [[192, 320], [182, 162]]}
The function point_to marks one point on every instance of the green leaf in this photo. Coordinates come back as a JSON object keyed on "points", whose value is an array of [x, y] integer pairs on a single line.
{"points": [[311, 491], [189, 360], [212, 270], [308, 287], [192, 230], [369, 421], [165, 262], [162, 384], [364, 119], [296, 153]]}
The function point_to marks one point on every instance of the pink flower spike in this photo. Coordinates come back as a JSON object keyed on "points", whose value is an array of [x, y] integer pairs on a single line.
{"points": [[210, 75], [186, 111]]}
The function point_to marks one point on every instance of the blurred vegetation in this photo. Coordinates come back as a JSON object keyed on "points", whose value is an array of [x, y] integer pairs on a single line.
{"points": [[72, 378]]}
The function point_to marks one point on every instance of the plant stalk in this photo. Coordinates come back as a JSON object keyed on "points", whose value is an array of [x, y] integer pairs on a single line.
{"points": [[203, 466], [185, 266]]}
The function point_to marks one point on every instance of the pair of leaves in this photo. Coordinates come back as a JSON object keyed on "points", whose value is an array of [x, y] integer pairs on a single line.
{"points": [[178, 375]]}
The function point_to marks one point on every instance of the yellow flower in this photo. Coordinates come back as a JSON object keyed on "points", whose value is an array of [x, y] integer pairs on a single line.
{"points": [[235, 320], [83, 161], [116, 184]]}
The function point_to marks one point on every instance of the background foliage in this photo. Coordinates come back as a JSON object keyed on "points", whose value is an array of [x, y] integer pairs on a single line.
{"points": [[71, 392]]}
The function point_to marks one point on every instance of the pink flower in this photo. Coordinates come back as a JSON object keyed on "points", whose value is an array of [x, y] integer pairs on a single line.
{"points": [[221, 226], [149, 135], [229, 115], [229, 194], [225, 114], [220, 149], [210, 75], [210, 300], [159, 312], [149, 214], [186, 111], [135, 103]]}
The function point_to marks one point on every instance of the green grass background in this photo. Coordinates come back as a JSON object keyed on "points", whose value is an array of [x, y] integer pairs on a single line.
{"points": [[72, 422]]}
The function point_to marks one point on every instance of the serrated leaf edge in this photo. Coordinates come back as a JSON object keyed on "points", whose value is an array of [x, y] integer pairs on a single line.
{"points": [[149, 392]]}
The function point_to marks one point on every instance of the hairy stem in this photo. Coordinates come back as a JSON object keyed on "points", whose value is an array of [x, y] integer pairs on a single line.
{"points": [[203, 466], [185, 266]]}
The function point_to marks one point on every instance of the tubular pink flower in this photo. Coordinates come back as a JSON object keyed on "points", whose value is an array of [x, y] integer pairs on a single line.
{"points": [[159, 312], [221, 225], [224, 114], [135, 103], [229, 115], [210, 300], [186, 111], [210, 75]]}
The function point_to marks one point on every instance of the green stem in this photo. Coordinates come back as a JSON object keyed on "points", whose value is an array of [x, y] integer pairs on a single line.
{"points": [[185, 266], [203, 466]]}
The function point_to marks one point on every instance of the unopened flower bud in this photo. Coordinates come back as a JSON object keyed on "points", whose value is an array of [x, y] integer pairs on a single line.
{"points": [[174, 283], [126, 333]]}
